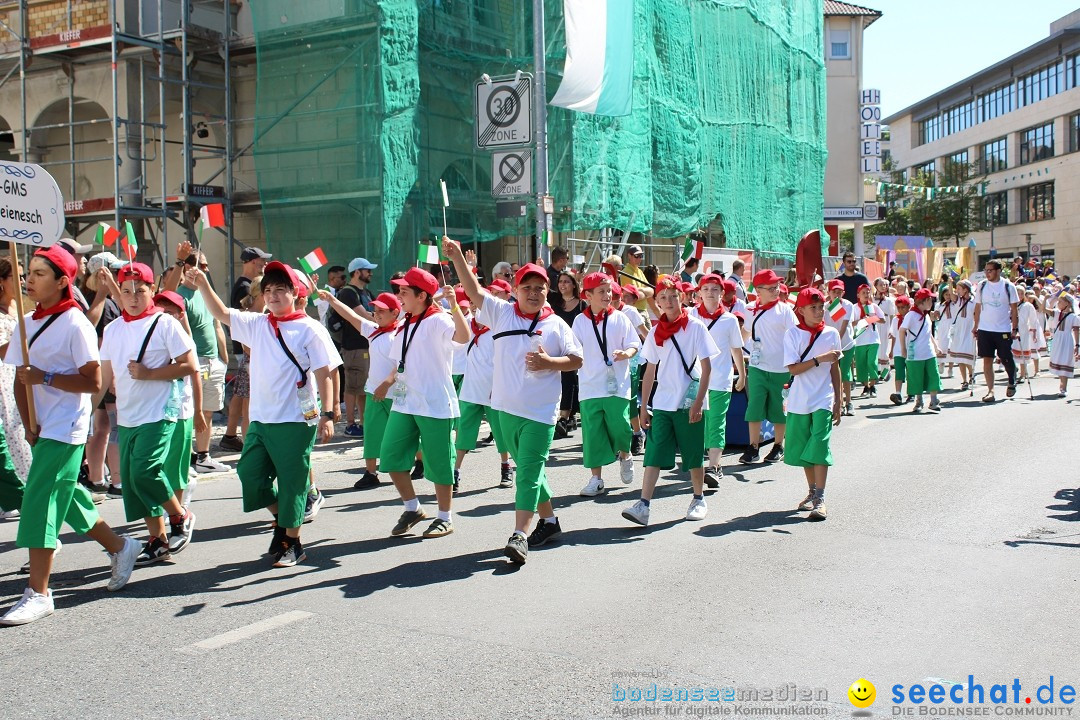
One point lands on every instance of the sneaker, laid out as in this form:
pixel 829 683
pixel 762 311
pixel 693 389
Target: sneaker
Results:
pixel 275 541
pixel 354 430
pixel 1010 390
pixel 517 549
pixel 312 503
pixel 418 470
pixel 180 534
pixel 562 429
pixel 918 406
pixel 637 444
pixel 638 513
pixel 189 492
pixel 9 514
pixel 488 440
pixel 123 563
pixel 1061 394
pixel 231 442
pixel 818 511
pixel 32 606
pixel 808 502
pixel 934 406
pixel 367 481
pixel 25 569
pixel 407 520
pixel 439 528
pixel 191 474
pixel 506 477
pixel 697 510
pixel 873 391
pixel 115 491
pixel 896 399
pixel 849 410
pixel 626 469
pixel 457 479
pixel 776 454
pixel 751 455
pixel 292 552
pixel 713 475
pixel 153 551
pixel 545 532
pixel 97 498
pixel 594 487
pixel 206 464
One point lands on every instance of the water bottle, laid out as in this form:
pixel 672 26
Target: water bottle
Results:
pixel 534 346
pixel 175 400
pixel 691 394
pixel 611 382
pixel 308 408
pixel 400 389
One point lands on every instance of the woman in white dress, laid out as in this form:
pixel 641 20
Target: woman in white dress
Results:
pixel 1066 341
pixel 9 413
pixel 961 340
pixel 944 318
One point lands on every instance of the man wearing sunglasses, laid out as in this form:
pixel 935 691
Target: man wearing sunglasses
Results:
pixel 634 256
pixel 502 271
pixel 996 324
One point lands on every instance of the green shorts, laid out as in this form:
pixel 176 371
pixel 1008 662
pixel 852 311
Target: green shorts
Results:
pixel 900 368
pixel 468 428
pixel 806 443
pixel 405 434
pixel 922 377
pixel 178 460
pixel 280 451
pixel 605 430
pixel 376 414
pixel 143 451
pixel 54 495
pixel 866 365
pixel 528 442
pixel 635 391
pixel 765 396
pixel 671 431
pixel 11 487
pixel 845 364
pixel 716 419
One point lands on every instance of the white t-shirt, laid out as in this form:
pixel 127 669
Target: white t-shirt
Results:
pixel 380 364
pixel 869 336
pixel 273 375
pixel 476 386
pixel 918 329
pixel 535 398
pixel 428 364
pixel 770 328
pixel 894 335
pixel 636 319
pixel 672 381
pixel 739 307
pixel 812 390
pixel 620 334
pixel 727 335
pixel 847 337
pixel 461 356
pixel 65 346
pixel 139 402
pixel 888 309
pixel 995 300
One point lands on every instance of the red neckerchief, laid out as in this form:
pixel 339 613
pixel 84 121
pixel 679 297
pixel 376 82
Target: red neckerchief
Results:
pixel 477 328
pixel 62 306
pixel 815 329
pixel 767 306
pixel 666 328
pixel 862 311
pixel 275 320
pixel 597 318
pixel 544 313
pixel 383 331
pixel 720 310
pixel 619 306
pixel 151 310
pixel 915 309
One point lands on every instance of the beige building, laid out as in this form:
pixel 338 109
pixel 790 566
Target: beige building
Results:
pixel 1018 121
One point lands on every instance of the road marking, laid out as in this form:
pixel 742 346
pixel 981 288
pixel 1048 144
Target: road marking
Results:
pixel 247 631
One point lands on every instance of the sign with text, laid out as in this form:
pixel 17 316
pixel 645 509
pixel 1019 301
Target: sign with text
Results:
pixel 511 173
pixel 503 111
pixel 31 206
pixel 870 131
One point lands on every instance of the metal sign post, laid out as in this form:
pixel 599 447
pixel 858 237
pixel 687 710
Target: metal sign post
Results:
pixel 543 218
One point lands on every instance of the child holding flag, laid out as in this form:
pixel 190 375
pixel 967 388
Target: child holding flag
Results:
pixel 920 351
pixel 840 315
pixel 867 318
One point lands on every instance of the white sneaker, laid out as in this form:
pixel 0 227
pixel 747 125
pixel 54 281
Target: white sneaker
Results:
pixel 56 551
pixel 191 473
pixel 33 606
pixel 189 491
pixel 626 469
pixel 210 465
pixel 697 510
pixel 9 514
pixel 638 512
pixel 123 563
pixel 594 487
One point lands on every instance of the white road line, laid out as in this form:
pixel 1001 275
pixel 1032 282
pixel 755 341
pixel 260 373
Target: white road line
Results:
pixel 247 631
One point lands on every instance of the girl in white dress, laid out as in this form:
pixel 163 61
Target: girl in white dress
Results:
pixel 1024 344
pixel 944 328
pixel 1066 341
pixel 961 339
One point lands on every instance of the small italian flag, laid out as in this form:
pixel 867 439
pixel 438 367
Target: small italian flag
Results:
pixel 128 243
pixel 692 249
pixel 212 215
pixel 792 297
pixel 836 309
pixel 313 261
pixel 428 255
pixel 106 235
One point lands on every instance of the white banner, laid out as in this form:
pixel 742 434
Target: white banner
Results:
pixel 31 206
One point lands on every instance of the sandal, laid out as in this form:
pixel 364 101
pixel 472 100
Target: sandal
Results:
pixel 989 398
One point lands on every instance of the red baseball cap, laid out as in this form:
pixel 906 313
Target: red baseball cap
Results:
pixel 924 294
pixel 836 284
pixel 136 271
pixel 461 297
pixel 420 279
pixel 730 285
pixel 809 296
pixel 631 291
pixel 594 280
pixel 667 281
pixel 712 279
pixel 766 277
pixel 903 300
pixel 63 260
pixel 171 297
pixel 297 280
pixel 862 287
pixel 686 287
pixel 500 285
pixel 529 269
pixel 387 301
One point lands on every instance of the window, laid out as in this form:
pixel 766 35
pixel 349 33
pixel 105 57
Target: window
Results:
pixel 927 171
pixel 995 210
pixel 995 156
pixel 956 167
pixel 1074 133
pixel 1037 143
pixel 1037 202
pixel 1072 72
pixel 1040 84
pixel 839 44
pixel 994 103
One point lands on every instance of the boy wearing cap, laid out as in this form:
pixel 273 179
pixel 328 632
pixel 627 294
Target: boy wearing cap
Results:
pixel 292 357
pixel 425 400
pixel 725 332
pixel 866 318
pixel 532 346
pixel 637 442
pixel 62 372
pixel 677 344
pixel 769 322
pixel 147 354
pixel 920 351
pixel 811 351
pixel 608 342
pixel 903 307
pixel 842 320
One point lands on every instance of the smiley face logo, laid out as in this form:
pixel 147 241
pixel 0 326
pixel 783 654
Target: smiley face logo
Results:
pixel 862 693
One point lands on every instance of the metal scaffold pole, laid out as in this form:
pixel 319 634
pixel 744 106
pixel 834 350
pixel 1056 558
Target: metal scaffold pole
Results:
pixel 543 219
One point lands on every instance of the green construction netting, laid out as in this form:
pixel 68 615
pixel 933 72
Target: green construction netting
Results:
pixel 363 105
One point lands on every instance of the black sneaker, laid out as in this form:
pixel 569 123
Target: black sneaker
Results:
pixel 713 475
pixel 544 533
pixel 115 491
pixel 152 552
pixel 457 479
pixel 230 442
pixel 637 444
pixel 873 391
pixel 488 440
pixel 506 477
pixel 180 534
pixel 751 455
pixel 776 454
pixel 276 540
pixel 312 504
pixel 418 470
pixel 291 552
pixel 517 549
pixel 367 481
pixel 407 520
pixel 896 399
pixel 562 429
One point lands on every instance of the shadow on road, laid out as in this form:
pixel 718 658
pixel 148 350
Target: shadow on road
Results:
pixel 758 522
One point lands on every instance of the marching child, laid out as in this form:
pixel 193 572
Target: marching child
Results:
pixel 608 341
pixel 1065 346
pixel 840 315
pixel 887 306
pixel 920 351
pixel 677 343
pixel 632 295
pixel 811 351
pixel 769 321
pixel 961 338
pixel 903 307
pixel 867 316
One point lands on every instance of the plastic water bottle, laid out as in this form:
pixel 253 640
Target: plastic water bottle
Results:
pixel 175 400
pixel 308 408
pixel 534 346
pixel 611 384
pixel 691 394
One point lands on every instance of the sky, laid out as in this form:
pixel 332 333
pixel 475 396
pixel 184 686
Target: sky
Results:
pixel 919 47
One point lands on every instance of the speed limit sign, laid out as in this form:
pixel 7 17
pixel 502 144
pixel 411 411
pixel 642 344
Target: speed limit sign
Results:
pixel 503 111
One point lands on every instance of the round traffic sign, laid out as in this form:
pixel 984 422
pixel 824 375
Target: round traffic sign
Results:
pixel 503 107
pixel 511 168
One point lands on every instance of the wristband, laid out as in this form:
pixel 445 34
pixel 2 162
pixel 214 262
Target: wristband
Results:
pixel 48 379
pixel 328 415
pixel 816 363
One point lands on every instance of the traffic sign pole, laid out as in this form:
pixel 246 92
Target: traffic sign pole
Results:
pixel 543 219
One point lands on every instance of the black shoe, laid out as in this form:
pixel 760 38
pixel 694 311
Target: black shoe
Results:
pixel 152 552
pixel 313 503
pixel 407 520
pixel 517 549
pixel 367 481
pixel 457 479
pixel 506 478
pixel 290 551
pixel 544 533
pixel 637 444
pixel 276 540
pixel 873 391
pixel 418 470
pixel 115 491
pixel 896 399
pixel 776 454
pixel 713 476
pixel 230 442
pixel 751 455
pixel 488 440
pixel 562 429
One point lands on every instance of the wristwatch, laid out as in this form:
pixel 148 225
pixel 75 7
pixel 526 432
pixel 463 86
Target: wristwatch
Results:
pixel 816 363
pixel 328 415
pixel 48 378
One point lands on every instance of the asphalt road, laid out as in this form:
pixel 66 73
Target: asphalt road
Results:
pixel 952 548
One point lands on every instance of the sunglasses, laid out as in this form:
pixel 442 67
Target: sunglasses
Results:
pixel 640 255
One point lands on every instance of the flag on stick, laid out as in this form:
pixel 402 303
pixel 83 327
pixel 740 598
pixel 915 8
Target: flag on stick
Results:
pixel 428 255
pixel 313 261
pixel 106 235
pixel 129 244
pixel 836 310
pixel 692 249
pixel 212 215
